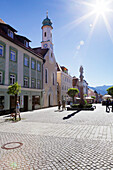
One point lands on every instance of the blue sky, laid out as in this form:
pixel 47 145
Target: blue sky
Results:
pixel 72 44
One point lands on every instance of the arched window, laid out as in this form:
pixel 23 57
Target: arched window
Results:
pixel 45 34
pixel 46 76
pixel 53 78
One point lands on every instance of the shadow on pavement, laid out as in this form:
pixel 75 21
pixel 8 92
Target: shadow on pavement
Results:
pixel 6 116
pixel 72 114
pixel 58 110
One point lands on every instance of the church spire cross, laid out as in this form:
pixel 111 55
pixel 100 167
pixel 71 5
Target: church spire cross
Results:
pixel 47 14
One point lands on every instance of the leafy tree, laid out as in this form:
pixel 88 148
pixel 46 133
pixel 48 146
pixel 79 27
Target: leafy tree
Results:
pixel 72 92
pixel 85 95
pixel 14 89
pixel 85 101
pixel 93 97
pixel 110 91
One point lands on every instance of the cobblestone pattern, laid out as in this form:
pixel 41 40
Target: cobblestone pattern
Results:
pixel 46 153
pixel 97 117
pixel 61 130
pixel 83 141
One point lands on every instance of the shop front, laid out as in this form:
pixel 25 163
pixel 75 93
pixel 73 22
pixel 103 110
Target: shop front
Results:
pixel 35 102
pixel 29 99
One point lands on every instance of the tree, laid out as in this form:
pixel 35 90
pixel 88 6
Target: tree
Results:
pixel 110 91
pixel 72 92
pixel 14 89
pixel 93 97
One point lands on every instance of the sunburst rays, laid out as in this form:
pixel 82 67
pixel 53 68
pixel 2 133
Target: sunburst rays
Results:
pixel 96 9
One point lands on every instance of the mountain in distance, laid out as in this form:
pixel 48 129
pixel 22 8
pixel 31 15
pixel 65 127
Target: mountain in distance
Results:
pixel 101 89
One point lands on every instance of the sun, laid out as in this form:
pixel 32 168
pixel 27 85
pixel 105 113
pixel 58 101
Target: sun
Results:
pixel 100 7
pixel 96 8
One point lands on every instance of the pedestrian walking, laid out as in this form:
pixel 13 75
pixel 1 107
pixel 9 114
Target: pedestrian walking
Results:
pixel 112 105
pixel 107 105
pixel 59 104
pixel 18 110
pixel 63 105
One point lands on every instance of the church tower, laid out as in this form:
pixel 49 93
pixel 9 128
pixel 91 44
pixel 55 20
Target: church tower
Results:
pixel 47 33
pixel 49 67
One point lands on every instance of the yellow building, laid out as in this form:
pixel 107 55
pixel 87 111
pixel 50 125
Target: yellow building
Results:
pixel 64 81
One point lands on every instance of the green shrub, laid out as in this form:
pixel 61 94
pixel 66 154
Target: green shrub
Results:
pixel 85 101
pixel 93 97
pixel 88 106
pixel 81 106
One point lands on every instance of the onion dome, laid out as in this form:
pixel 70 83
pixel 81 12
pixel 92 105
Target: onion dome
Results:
pixel 47 21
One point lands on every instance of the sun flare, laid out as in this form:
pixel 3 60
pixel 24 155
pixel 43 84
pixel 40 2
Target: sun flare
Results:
pixel 96 8
pixel 100 7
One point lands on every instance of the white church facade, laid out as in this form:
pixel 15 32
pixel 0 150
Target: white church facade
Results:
pixel 49 67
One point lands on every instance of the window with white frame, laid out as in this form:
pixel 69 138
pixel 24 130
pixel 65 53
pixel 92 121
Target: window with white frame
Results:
pixel 25 81
pixel 10 33
pixel 13 55
pixel 33 83
pixel 1 77
pixel 32 64
pixel 12 78
pixel 38 84
pixel 1 50
pixel 39 66
pixel 26 61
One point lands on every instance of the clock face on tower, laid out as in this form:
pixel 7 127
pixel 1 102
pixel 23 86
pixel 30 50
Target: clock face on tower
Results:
pixel 45 45
pixel 51 46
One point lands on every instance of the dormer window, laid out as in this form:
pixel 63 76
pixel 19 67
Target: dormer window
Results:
pixel 26 43
pixel 10 34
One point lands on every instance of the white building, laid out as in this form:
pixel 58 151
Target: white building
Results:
pixel 49 68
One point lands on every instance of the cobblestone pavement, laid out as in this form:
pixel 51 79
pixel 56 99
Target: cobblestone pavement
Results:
pixel 58 140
